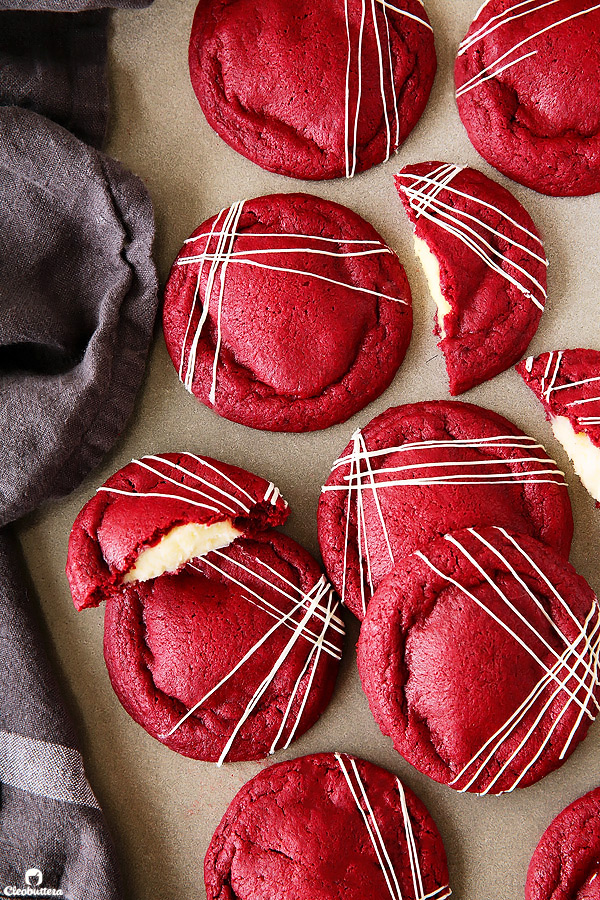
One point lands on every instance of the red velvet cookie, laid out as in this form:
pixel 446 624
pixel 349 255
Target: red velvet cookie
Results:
pixel 276 310
pixel 421 470
pixel 566 862
pixel 568 384
pixel 528 92
pixel 485 264
pixel 221 635
pixel 324 826
pixel 315 88
pixel 479 658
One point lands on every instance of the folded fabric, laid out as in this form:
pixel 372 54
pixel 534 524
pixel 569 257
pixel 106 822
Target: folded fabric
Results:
pixel 55 64
pixel 73 5
pixel 78 299
pixel 51 828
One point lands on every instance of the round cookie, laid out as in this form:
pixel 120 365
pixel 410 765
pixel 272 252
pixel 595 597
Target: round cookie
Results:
pixel 221 635
pixel 528 92
pixel 479 658
pixel 323 826
pixel 287 313
pixel 567 382
pixel 421 470
pixel 485 264
pixel 316 88
pixel 566 862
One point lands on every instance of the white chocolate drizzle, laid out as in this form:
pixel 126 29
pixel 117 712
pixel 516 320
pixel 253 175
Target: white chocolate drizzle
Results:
pixel 423 192
pixel 363 804
pixel 227 253
pixel 552 387
pixel 578 663
pixel 318 604
pixel 217 505
pixel 361 477
pixel 386 73
pixel 492 70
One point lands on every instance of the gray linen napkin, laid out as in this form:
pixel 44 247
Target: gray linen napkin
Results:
pixel 78 299
pixel 55 64
pixel 73 5
pixel 52 832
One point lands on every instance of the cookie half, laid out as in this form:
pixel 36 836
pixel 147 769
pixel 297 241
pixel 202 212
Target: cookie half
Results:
pixel 528 92
pixel 567 382
pixel 566 862
pixel 485 265
pixel 323 826
pixel 316 88
pixel 421 470
pixel 479 658
pixel 221 636
pixel 287 313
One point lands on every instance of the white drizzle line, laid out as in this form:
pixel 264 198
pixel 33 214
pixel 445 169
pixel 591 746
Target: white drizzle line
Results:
pixel 446 217
pixel 364 806
pixel 351 128
pixel 589 420
pixel 571 384
pixel 224 255
pixel 351 287
pixel 224 262
pixel 191 365
pixel 585 400
pixel 546 373
pixel 270 251
pixel 164 477
pixel 442 182
pixel 388 130
pixel 192 356
pixel 337 623
pixel 111 490
pixel 359 481
pixel 500 19
pixel 383 857
pixel 286 235
pixel 437 180
pixel 309 604
pixel 404 12
pixel 553 387
pixel 486 73
pixel 428 179
pixel 559 357
pixel 588 657
pixel 529 364
pixel 314 655
pixel 272 494
pixel 414 856
pixel 376 498
pixel 492 442
pixel 347 94
pixel 392 81
pixel 224 507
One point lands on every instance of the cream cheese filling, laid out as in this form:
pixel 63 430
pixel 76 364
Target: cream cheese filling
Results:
pixel 431 268
pixel 180 545
pixel 584 455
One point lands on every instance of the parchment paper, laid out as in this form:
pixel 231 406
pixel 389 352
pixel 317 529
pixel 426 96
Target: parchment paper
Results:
pixel 162 807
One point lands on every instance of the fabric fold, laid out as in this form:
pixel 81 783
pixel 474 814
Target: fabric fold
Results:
pixel 49 817
pixel 55 64
pixel 78 299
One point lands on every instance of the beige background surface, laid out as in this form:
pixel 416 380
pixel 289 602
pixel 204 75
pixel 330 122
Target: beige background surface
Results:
pixel 161 807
